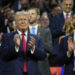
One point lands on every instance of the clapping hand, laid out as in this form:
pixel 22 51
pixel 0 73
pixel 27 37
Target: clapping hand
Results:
pixel 70 45
pixel 17 40
pixel 32 42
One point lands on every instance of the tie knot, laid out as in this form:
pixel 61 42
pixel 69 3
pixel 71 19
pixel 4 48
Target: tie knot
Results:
pixel 23 34
pixel 33 27
pixel 66 14
pixel 66 18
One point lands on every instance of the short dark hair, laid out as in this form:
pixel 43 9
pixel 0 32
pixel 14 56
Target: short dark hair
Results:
pixel 35 8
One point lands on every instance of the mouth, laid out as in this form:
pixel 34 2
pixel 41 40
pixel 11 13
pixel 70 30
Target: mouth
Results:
pixel 22 25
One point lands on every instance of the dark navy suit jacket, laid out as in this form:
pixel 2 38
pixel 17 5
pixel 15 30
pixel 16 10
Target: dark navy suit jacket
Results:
pixel 56 26
pixel 62 57
pixel 13 62
pixel 56 30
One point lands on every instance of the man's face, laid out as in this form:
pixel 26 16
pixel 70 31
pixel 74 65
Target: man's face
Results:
pixel 45 22
pixel 22 22
pixel 67 5
pixel 11 16
pixel 33 16
pixel 24 3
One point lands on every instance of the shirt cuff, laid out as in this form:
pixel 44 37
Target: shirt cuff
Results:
pixel 16 49
pixel 68 54
pixel 32 51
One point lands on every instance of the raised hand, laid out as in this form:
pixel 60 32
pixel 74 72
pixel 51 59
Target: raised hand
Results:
pixel 17 40
pixel 70 45
pixel 32 42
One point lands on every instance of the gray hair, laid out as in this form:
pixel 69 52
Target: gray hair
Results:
pixel 21 12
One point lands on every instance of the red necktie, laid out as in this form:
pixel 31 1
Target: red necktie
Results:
pixel 24 47
pixel 66 16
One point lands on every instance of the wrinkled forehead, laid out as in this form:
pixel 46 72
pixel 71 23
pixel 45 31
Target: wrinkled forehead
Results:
pixel 68 1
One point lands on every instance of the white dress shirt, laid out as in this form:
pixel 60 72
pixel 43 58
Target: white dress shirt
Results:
pixel 36 29
pixel 20 34
pixel 69 14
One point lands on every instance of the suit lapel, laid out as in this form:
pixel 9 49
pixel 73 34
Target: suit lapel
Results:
pixel 27 46
pixel 39 29
pixel 28 30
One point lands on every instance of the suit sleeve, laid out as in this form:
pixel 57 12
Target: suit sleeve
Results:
pixel 8 51
pixel 48 42
pixel 39 52
pixel 62 56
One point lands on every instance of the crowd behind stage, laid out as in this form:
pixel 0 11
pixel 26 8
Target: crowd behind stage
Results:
pixel 52 21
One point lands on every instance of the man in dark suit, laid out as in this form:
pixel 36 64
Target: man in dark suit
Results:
pixel 10 26
pixel 20 50
pixel 21 5
pixel 45 34
pixel 57 24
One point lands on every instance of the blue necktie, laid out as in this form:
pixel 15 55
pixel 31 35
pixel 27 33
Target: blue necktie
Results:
pixel 33 30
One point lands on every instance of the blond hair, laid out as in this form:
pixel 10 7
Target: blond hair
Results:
pixel 68 26
pixel 21 12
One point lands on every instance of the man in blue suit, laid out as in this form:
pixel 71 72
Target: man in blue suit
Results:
pixel 20 50
pixel 57 24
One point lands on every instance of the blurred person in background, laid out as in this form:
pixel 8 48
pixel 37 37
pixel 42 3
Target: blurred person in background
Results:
pixel 21 5
pixel 45 22
pixel 44 7
pixel 10 26
pixel 56 9
pixel 6 10
pixel 45 34
pixel 52 2
pixel 24 5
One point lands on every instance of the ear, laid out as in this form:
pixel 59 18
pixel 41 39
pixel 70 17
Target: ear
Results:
pixel 38 17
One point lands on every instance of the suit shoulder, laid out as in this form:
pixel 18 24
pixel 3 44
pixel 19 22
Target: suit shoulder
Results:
pixel 44 29
pixel 58 16
pixel 9 35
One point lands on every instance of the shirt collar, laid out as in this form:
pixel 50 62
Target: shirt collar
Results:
pixel 66 13
pixel 34 26
pixel 19 32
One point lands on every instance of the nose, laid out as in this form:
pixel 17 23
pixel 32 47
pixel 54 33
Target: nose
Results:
pixel 23 21
pixel 68 5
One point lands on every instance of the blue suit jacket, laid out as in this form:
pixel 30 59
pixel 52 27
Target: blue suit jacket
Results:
pixel 56 30
pixel 14 62
pixel 56 26
pixel 63 59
